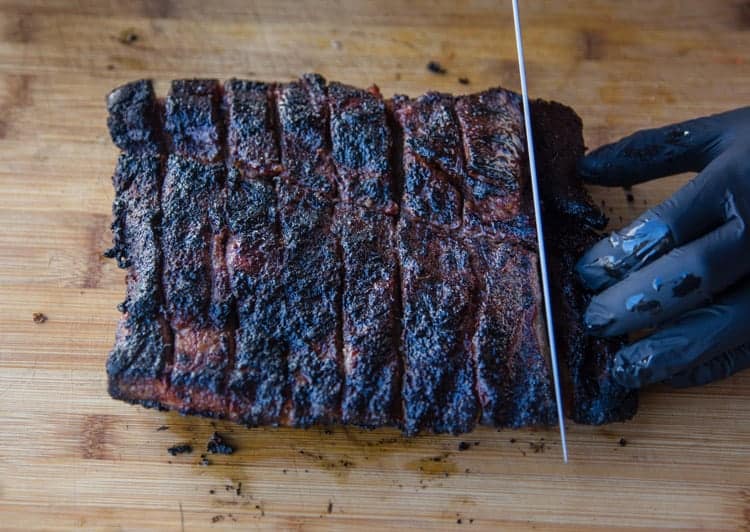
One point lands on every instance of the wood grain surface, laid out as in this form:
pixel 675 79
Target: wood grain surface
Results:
pixel 70 457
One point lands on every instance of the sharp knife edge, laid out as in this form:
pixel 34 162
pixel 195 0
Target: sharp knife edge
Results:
pixel 539 230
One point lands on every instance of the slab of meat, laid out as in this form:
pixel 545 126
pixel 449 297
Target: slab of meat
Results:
pixel 139 363
pixel 309 253
pixel 312 272
pixel 365 221
pixel 437 290
pixel 254 256
pixel 195 281
pixel 513 376
pixel 571 224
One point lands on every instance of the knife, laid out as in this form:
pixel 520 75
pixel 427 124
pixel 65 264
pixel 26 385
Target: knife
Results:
pixel 539 230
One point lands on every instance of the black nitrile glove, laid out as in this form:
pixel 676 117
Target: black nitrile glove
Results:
pixel 683 266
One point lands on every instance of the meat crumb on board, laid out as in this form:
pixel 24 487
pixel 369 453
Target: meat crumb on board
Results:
pixel 183 448
pixel 218 445
pixel 436 68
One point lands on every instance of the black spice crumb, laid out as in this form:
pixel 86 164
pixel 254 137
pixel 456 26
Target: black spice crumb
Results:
pixel 623 442
pixel 512 440
pixel 128 36
pixel 217 445
pixel 217 518
pixel 283 471
pixel 458 521
pixel 471 520
pixel 180 449
pixel 629 196
pixel 436 68
pixel 330 507
pixel 537 447
pixel 239 489
pixel 211 492
pixel 463 446
pixel 39 317
pixel 110 67
pixel 204 460
pixel 163 427
pixel 463 81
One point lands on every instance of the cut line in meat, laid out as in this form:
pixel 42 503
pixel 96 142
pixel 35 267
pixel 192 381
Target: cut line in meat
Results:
pixel 309 253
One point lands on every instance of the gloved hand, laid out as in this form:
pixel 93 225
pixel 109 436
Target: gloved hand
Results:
pixel 682 267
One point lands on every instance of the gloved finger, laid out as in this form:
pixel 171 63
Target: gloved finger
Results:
pixel 689 344
pixel 718 368
pixel 692 211
pixel 652 153
pixel 684 279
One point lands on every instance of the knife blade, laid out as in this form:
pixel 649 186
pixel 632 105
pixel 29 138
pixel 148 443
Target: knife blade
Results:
pixel 539 229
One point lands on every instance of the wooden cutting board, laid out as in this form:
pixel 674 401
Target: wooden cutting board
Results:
pixel 72 457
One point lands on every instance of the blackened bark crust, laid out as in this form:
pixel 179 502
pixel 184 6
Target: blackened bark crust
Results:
pixel 307 253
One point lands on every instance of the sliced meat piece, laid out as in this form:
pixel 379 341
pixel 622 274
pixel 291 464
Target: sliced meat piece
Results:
pixel 142 350
pixel 254 258
pixel 571 220
pixel 251 137
pixel 370 317
pixel 312 264
pixel 312 281
pixel 496 189
pixel 493 140
pixel 193 119
pixel 431 131
pixel 196 283
pixel 513 372
pixel 432 161
pixel 437 290
pixel 133 119
pixel 303 120
pixel 361 143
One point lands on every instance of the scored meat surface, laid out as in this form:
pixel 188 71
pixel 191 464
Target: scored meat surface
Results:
pixel 309 253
